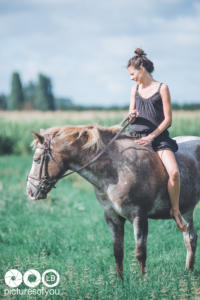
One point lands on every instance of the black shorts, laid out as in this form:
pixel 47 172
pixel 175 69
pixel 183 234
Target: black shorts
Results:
pixel 161 142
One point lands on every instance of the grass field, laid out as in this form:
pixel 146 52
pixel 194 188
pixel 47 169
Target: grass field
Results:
pixel 16 127
pixel 67 232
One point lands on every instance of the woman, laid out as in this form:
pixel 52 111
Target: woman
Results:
pixel 150 101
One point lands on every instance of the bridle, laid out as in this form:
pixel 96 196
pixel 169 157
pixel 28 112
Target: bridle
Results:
pixel 45 182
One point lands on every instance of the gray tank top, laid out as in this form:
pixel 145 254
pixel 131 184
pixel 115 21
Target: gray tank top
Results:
pixel 150 112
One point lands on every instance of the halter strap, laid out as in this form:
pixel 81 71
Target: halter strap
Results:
pixel 45 182
pixel 105 148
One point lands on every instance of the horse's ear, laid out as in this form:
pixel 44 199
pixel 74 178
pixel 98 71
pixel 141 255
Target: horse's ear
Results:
pixel 39 137
pixel 42 131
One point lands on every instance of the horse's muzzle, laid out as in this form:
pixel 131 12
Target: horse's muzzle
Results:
pixel 33 194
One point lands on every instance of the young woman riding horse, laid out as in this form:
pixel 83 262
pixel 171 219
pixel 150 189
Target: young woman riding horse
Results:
pixel 150 101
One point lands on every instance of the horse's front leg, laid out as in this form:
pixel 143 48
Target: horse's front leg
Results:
pixel 140 225
pixel 116 226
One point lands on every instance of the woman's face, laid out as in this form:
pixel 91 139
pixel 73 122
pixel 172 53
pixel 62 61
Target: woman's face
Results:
pixel 136 74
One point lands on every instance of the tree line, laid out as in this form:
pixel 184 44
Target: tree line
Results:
pixel 39 96
pixel 33 95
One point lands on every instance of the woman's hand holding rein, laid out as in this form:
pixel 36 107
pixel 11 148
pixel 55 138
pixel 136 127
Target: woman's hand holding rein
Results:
pixel 133 114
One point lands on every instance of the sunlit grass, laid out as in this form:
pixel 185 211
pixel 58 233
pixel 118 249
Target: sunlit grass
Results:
pixel 16 127
pixel 67 232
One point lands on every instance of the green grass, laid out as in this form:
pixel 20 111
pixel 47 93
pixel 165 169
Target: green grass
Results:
pixel 16 128
pixel 67 232
pixel 185 126
pixel 16 137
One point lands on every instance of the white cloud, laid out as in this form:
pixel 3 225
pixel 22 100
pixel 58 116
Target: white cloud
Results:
pixel 87 45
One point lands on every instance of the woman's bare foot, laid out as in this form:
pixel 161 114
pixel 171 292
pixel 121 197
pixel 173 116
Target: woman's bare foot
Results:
pixel 176 215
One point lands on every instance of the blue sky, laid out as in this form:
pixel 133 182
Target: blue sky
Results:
pixel 84 45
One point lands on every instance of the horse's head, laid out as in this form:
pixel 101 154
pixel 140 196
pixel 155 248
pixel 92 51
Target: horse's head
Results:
pixel 49 163
pixel 56 151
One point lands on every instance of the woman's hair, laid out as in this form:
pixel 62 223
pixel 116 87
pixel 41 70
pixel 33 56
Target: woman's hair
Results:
pixel 140 59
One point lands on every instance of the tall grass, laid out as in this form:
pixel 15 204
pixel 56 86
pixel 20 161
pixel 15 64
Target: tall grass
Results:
pixel 16 128
pixel 67 232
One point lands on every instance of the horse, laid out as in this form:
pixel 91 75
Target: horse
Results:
pixel 130 180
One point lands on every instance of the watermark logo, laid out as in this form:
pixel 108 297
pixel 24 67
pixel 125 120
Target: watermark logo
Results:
pixel 50 278
pixel 32 273
pixel 13 278
pixel 31 278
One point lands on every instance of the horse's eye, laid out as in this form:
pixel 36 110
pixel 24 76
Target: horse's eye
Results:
pixel 37 160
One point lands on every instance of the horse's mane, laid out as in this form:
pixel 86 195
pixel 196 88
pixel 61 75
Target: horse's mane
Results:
pixel 69 134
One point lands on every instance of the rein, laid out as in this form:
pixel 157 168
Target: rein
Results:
pixel 104 149
pixel 46 183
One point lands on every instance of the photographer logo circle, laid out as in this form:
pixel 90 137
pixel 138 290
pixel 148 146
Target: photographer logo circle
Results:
pixel 35 283
pixel 44 278
pixel 13 278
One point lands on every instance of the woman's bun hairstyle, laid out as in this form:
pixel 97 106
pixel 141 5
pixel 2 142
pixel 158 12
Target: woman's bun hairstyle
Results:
pixel 140 52
pixel 140 59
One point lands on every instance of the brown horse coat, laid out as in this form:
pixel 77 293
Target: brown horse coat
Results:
pixel 130 181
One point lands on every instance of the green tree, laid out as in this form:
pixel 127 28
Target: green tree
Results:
pixel 30 94
pixel 3 102
pixel 44 99
pixel 64 103
pixel 16 99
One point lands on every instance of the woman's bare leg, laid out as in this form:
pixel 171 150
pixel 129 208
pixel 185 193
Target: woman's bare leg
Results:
pixel 169 161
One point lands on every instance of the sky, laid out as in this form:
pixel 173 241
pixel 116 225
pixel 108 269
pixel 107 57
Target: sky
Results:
pixel 84 46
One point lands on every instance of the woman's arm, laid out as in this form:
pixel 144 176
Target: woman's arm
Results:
pixel 132 99
pixel 132 111
pixel 166 100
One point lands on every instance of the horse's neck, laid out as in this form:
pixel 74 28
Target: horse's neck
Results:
pixel 86 173
pixel 95 173
pixel 98 172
